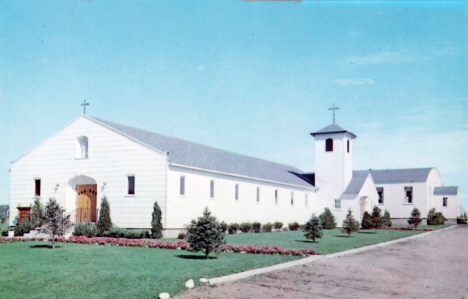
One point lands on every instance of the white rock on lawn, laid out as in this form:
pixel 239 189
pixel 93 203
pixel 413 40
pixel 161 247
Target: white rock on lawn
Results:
pixel 164 295
pixel 204 280
pixel 189 283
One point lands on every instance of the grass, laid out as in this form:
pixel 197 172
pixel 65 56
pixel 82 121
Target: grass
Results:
pixel 331 242
pixel 32 270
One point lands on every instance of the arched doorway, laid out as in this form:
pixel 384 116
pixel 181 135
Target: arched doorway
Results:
pixel 83 198
pixel 86 203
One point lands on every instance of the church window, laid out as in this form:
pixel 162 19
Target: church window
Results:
pixel 236 191
pixel 131 185
pixel 408 194
pixel 347 145
pixel 182 185
pixel 258 194
pixel 337 203
pixel 37 187
pixel 276 196
pixel 306 199
pixel 329 145
pixel 81 149
pixel 444 201
pixel 380 192
pixel 292 198
pixel 212 194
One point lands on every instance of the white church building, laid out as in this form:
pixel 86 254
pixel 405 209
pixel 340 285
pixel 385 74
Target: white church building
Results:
pixel 91 158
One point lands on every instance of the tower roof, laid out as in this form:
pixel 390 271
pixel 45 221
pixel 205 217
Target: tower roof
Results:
pixel 333 128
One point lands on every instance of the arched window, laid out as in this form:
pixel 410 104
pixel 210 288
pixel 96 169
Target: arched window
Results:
pixel 347 143
pixel 329 145
pixel 81 149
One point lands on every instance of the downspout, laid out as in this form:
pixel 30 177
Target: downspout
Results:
pixel 165 191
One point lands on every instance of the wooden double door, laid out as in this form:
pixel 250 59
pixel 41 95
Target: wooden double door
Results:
pixel 86 203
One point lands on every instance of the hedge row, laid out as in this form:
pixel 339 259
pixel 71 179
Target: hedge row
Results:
pixel 168 245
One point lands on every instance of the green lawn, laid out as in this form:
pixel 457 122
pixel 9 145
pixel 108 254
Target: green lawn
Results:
pixel 31 270
pixel 332 240
pixel 94 271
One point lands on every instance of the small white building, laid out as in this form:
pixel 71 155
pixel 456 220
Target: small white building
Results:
pixel 91 158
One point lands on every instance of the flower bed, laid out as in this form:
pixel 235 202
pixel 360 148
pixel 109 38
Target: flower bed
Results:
pixel 168 245
pixel 406 228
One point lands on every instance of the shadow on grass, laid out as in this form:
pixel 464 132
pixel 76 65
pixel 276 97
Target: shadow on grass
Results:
pixel 341 236
pixel 194 257
pixel 47 246
pixel 372 233
pixel 306 241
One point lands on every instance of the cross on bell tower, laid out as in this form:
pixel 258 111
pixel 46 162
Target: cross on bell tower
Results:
pixel 84 106
pixel 334 108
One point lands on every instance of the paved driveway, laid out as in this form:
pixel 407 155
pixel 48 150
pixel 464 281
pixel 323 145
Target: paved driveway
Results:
pixel 435 266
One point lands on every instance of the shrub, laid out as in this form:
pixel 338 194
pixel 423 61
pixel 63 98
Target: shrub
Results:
pixel 104 222
pixel 266 228
pixel 233 228
pixel 435 218
pixel 205 234
pixel 4 233
pixel 181 236
pixel 37 213
pixel 156 222
pixel 387 221
pixel 87 229
pixel 415 218
pixel 245 227
pixel 327 219
pixel 366 222
pixel 125 233
pixel 224 226
pixel 256 227
pixel 278 225
pixel 23 228
pixel 313 229
pixel 350 224
pixel 376 218
pixel 294 226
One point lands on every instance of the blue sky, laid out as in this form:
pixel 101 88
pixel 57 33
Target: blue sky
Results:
pixel 250 77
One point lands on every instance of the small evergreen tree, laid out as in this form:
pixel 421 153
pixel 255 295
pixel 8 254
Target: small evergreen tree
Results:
pixel 37 213
pixel 104 222
pixel 55 224
pixel 415 218
pixel 156 222
pixel 376 218
pixel 313 229
pixel 435 218
pixel 350 225
pixel 205 234
pixel 327 219
pixel 366 222
pixel 387 220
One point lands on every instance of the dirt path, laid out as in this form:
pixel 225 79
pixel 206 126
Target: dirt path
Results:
pixel 435 266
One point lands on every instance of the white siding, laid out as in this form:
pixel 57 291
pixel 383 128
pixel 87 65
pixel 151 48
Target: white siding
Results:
pixel 182 209
pixel 111 157
pixel 333 170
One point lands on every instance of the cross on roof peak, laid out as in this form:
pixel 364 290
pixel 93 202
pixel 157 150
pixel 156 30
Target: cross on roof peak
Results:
pixel 334 108
pixel 84 106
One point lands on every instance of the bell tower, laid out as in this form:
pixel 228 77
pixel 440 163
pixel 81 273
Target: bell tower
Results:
pixel 333 160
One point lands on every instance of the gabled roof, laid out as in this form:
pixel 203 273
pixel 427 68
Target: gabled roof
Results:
pixel 356 183
pixel 333 128
pixel 446 190
pixel 413 175
pixel 191 154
